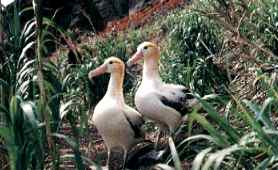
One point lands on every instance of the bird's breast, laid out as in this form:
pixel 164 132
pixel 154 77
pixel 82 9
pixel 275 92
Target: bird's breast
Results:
pixel 106 107
pixel 142 94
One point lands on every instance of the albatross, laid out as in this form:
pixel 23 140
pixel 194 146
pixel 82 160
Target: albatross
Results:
pixel 161 102
pixel 118 124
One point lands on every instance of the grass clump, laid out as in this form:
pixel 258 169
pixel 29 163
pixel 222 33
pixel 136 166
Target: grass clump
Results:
pixel 194 42
pixel 241 133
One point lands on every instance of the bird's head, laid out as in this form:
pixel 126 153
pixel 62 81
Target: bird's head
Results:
pixel 110 65
pixel 146 51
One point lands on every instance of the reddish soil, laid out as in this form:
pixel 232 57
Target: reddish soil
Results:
pixel 142 16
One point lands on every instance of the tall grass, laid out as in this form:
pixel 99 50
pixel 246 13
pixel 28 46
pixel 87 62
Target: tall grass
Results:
pixel 33 102
pixel 208 47
pixel 39 29
pixel 239 132
pixel 252 148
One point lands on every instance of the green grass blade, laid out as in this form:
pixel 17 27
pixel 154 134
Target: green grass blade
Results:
pixel 195 138
pixel 199 159
pixel 175 154
pixel 220 139
pixel 220 155
pixel 265 113
pixel 232 133
pixel 75 147
pixel 8 136
pixel 260 132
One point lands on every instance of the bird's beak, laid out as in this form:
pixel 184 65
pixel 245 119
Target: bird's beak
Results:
pixel 135 58
pixel 98 71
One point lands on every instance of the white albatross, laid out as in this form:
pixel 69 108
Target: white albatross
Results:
pixel 118 124
pixel 164 103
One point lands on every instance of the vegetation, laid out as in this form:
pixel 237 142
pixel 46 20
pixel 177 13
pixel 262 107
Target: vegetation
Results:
pixel 223 50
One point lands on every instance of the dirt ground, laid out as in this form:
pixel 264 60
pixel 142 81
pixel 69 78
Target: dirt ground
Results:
pixel 93 147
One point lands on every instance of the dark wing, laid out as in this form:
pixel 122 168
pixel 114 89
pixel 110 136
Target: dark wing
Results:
pixel 135 121
pixel 177 105
pixel 136 129
pixel 177 99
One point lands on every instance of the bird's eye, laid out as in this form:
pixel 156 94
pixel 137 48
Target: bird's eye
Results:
pixel 110 62
pixel 146 47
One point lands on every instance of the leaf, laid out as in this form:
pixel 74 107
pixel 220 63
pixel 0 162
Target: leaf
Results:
pixel 264 164
pixel 13 108
pixel 197 137
pixel 253 107
pixel 52 68
pixel 26 9
pixel 3 109
pixel 48 86
pixel 75 147
pixel 92 164
pixel 4 83
pixel 65 108
pixel 218 137
pixel 22 89
pixel 259 130
pixel 30 37
pixel 223 153
pixel 248 138
pixel 29 112
pixel 24 50
pixel 198 161
pixel 5 133
pixel 70 141
pixel 8 136
pixel 268 163
pixel 66 81
pixel 218 157
pixel 24 75
pixel 53 80
pixel 175 155
pixel 231 132
pixel 28 64
pixel 28 28
pixel 265 113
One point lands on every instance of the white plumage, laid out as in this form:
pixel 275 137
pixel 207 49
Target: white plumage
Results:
pixel 159 101
pixel 118 124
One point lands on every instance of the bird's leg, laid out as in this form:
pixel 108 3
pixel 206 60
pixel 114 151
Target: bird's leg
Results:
pixel 174 135
pixel 171 134
pixel 178 131
pixel 125 156
pixel 159 134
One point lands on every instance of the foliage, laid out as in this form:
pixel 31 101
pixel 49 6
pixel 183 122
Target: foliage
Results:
pixel 207 47
pixel 243 148
pixel 32 89
pixel 243 134
pixel 194 42
pixel 23 135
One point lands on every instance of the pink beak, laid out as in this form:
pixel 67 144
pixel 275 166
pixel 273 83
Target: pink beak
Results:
pixel 98 71
pixel 135 58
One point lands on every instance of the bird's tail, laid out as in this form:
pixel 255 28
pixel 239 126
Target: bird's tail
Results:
pixel 147 156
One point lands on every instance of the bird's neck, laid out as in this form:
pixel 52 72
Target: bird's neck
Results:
pixel 151 71
pixel 115 86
